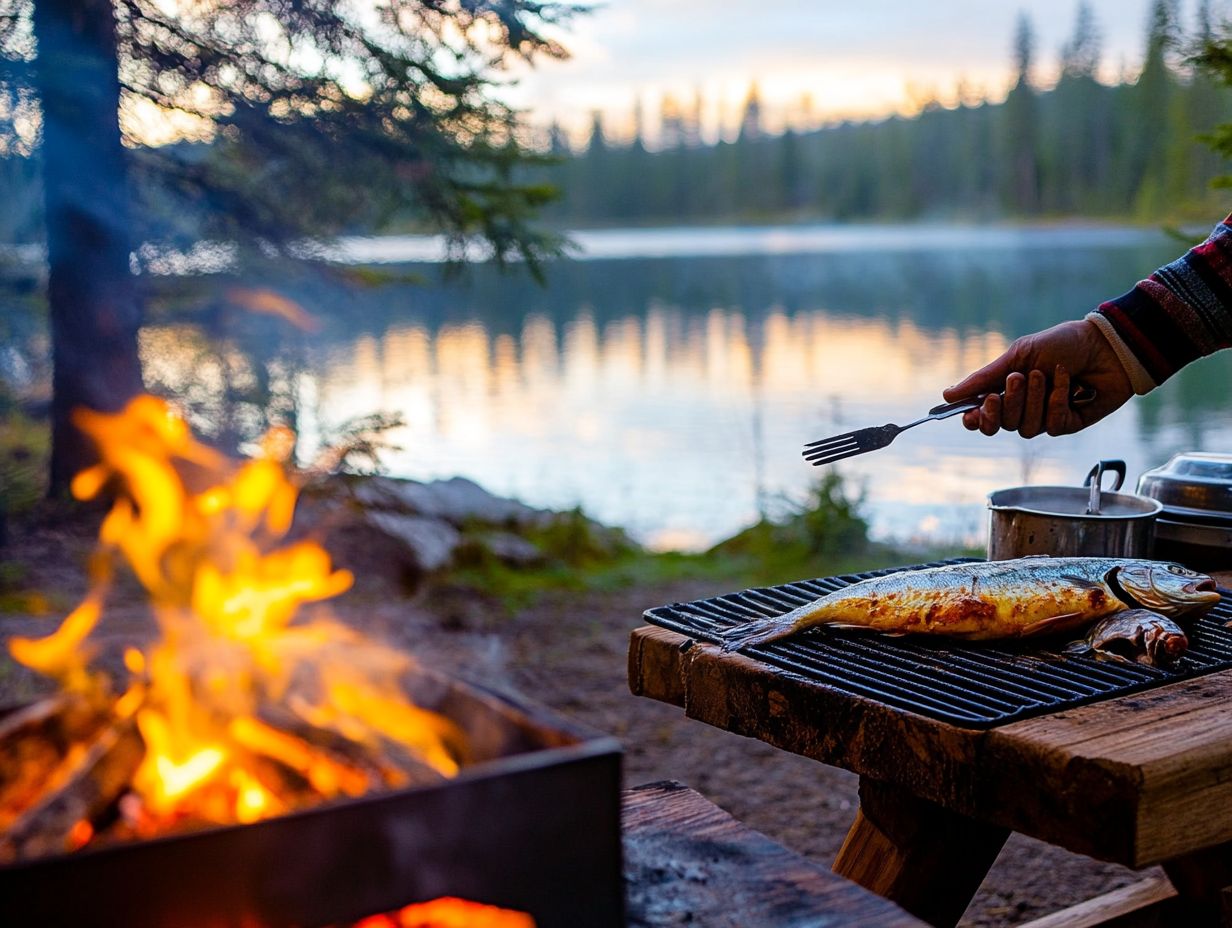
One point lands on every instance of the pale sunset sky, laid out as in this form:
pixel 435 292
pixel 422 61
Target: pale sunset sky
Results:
pixel 858 60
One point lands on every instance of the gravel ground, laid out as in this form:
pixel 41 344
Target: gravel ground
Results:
pixel 568 652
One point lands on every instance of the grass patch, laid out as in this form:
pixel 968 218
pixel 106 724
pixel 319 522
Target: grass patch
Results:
pixel 825 534
pixel 25 449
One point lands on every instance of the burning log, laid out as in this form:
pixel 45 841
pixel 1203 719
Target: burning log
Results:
pixel 305 748
pixel 89 780
pixel 34 740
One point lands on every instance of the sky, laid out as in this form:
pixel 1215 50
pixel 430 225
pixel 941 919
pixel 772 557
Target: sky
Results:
pixel 860 60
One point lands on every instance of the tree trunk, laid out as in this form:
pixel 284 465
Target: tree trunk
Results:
pixel 91 293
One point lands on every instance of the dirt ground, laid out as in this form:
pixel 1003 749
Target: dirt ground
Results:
pixel 568 652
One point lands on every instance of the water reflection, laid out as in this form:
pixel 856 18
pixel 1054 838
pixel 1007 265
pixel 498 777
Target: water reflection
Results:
pixel 673 395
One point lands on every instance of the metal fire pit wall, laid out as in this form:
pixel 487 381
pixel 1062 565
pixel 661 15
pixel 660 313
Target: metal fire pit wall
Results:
pixel 532 825
pixel 965 684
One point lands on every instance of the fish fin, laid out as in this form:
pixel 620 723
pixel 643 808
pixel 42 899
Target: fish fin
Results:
pixel 1052 623
pixel 1083 583
pixel 1104 655
pixel 1077 648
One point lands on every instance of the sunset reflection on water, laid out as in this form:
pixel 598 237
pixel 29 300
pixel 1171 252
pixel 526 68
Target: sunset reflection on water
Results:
pixel 680 428
pixel 672 396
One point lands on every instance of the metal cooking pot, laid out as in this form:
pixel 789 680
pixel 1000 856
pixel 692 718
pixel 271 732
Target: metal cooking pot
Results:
pixel 1072 521
pixel 1195 527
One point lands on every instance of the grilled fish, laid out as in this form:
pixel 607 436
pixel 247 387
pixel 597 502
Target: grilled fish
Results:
pixel 994 599
pixel 1134 635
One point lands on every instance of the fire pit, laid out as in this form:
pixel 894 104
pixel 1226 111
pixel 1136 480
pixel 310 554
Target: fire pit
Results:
pixel 260 763
pixel 532 824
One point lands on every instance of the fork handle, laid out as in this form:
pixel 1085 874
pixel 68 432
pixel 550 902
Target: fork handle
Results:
pixel 1079 395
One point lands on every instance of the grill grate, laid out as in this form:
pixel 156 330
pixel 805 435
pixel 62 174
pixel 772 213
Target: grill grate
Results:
pixel 974 686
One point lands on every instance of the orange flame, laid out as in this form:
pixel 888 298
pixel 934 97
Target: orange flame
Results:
pixel 205 537
pixel 449 912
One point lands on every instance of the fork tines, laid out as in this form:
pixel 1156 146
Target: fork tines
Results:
pixel 829 450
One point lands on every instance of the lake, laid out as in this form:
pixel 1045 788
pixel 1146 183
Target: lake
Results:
pixel 665 380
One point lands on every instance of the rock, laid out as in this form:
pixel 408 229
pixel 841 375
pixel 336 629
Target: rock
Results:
pixel 511 549
pixel 446 523
pixel 431 543
pixel 458 501
pixel 463 501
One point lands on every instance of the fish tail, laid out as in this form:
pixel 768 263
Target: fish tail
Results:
pixel 759 631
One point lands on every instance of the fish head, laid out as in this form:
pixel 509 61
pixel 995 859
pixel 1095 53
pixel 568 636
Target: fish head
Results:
pixel 1168 589
pixel 1164 642
pixel 1139 635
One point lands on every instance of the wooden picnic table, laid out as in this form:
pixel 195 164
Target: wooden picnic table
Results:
pixel 1138 780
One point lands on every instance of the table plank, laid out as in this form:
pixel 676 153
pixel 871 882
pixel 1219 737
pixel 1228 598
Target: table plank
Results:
pixel 689 862
pixel 1154 765
pixel 1145 904
pixel 1134 780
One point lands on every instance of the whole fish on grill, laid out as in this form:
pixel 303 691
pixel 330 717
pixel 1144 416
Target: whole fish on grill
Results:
pixel 986 600
pixel 1134 635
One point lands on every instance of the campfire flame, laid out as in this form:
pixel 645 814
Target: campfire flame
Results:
pixel 449 912
pixel 246 708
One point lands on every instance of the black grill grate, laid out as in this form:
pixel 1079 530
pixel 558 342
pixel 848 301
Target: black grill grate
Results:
pixel 974 686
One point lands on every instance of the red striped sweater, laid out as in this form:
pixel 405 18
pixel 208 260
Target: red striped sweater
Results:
pixel 1180 313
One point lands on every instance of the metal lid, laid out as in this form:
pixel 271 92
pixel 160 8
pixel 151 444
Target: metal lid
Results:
pixel 1192 481
pixel 1072 503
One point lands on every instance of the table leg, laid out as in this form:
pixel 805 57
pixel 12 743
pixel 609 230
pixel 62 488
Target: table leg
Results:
pixel 924 857
pixel 1203 882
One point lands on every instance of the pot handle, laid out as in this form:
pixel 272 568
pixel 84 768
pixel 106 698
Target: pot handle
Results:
pixel 1096 477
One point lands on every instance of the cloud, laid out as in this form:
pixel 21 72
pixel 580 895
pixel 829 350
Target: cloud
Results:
pixel 848 56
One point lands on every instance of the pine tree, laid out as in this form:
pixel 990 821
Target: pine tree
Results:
pixel 1080 136
pixel 1148 105
pixel 301 145
pixel 1021 138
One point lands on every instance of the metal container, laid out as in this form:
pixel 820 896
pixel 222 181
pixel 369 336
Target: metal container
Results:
pixel 1195 526
pixel 1192 483
pixel 1072 521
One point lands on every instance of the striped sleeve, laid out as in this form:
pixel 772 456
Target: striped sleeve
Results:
pixel 1180 313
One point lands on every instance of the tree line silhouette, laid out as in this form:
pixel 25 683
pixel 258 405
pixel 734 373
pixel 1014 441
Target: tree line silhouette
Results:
pixel 1132 149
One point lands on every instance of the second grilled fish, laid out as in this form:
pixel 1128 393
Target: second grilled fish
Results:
pixel 994 599
pixel 1134 635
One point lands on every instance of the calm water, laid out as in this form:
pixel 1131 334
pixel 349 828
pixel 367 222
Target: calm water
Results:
pixel 667 379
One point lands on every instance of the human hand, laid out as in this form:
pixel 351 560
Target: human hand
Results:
pixel 1035 376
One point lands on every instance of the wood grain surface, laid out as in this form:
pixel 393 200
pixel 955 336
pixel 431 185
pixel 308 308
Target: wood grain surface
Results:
pixel 687 862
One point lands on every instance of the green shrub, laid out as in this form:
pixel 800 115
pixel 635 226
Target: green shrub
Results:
pixel 573 539
pixel 831 519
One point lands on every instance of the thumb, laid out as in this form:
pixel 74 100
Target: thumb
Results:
pixel 988 379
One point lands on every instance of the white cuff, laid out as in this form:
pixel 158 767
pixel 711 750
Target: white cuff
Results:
pixel 1139 379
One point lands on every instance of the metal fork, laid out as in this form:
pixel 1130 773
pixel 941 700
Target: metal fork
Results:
pixel 849 444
